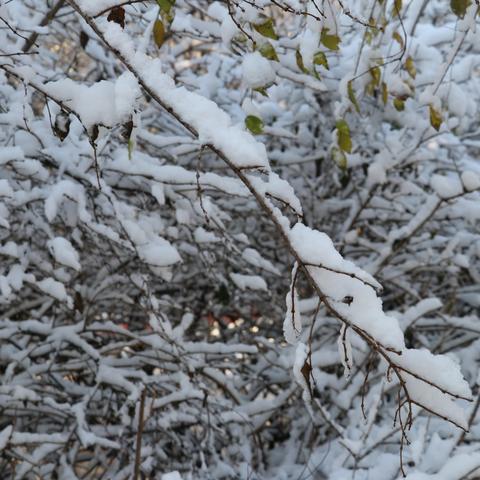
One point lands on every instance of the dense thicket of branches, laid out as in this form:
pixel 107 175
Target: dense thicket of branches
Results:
pixel 148 240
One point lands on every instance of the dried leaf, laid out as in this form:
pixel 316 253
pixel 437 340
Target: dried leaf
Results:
pixel 94 131
pixel 306 372
pixel 78 304
pixel 84 38
pixel 61 127
pixel 127 129
pixel 117 15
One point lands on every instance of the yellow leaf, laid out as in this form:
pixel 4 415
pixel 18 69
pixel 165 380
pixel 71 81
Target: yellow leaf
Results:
pixel 396 36
pixel 410 67
pixel 320 59
pixel 300 64
pixel 397 7
pixel 384 93
pixel 329 41
pixel 158 32
pixel 343 136
pixel 376 74
pixel 435 118
pixel 351 96
pixel 399 104
pixel 459 7
pixel 268 52
pixel 339 158
pixel 266 29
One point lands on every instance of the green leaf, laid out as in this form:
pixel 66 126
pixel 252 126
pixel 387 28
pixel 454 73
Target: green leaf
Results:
pixel 261 90
pixel 351 96
pixel 399 104
pixel 343 136
pixel 166 5
pixel 410 67
pixel 329 41
pixel 320 59
pixel 158 32
pixel 268 52
pixel 254 124
pixel 266 29
pixel 435 118
pixel 459 7
pixel 299 59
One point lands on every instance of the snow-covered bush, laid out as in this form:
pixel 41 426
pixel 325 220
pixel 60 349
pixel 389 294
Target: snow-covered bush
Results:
pixel 239 239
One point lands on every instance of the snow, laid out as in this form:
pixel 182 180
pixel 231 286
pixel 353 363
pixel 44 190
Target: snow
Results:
pixel 423 307
pixel 457 467
pixel 114 287
pixel 470 180
pixel 292 324
pixel 171 476
pixel 92 7
pixel 253 282
pixel 446 186
pixel 213 125
pixel 363 308
pixel 377 173
pixel 57 195
pixel 457 100
pixel 7 154
pixel 159 253
pixel 5 189
pixel 439 369
pixel 112 102
pixel 53 288
pixel 64 253
pixel 257 71
pixel 5 435
pixel 203 236
pixel 254 258
pixel 301 356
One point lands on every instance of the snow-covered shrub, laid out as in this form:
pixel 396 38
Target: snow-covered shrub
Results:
pixel 239 239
